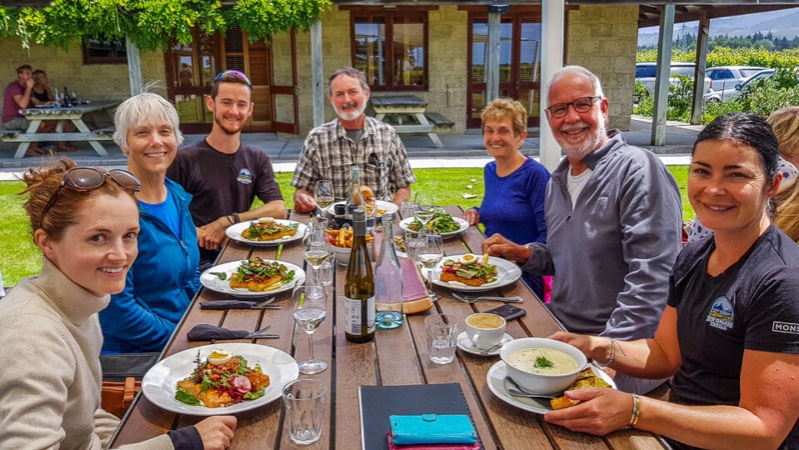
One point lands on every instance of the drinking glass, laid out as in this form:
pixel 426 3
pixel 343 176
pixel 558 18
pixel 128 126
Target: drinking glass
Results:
pixel 305 402
pixel 426 209
pixel 311 311
pixel 371 214
pixel 442 332
pixel 323 194
pixel 408 208
pixel 412 243
pixel 318 250
pixel 429 251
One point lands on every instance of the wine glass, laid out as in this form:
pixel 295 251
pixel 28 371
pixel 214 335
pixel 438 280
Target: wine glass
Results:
pixel 425 210
pixel 311 311
pixel 323 194
pixel 318 248
pixel 429 251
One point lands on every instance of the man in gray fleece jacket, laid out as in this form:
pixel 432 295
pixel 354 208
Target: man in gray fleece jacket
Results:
pixel 614 221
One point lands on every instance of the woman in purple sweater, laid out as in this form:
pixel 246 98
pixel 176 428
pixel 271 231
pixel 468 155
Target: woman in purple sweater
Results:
pixel 513 204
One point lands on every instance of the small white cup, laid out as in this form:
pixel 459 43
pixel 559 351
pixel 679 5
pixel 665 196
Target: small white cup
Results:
pixel 485 330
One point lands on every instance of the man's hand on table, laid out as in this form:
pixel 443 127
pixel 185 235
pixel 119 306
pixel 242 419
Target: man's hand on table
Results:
pixel 212 236
pixel 217 432
pixel 303 201
pixel 498 245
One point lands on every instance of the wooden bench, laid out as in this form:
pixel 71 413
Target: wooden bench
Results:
pixel 440 123
pixel 107 131
pixel 7 135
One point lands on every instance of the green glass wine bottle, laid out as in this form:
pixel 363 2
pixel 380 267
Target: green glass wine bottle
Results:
pixel 359 288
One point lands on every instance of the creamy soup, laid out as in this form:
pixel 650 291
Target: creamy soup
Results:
pixel 483 320
pixel 542 360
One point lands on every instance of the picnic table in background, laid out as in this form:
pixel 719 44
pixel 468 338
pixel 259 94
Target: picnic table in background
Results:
pixel 395 109
pixel 396 357
pixel 63 115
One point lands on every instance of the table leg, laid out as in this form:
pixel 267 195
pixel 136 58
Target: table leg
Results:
pixel 33 127
pixel 98 147
pixel 433 136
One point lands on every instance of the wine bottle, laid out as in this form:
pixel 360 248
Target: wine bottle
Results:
pixel 355 197
pixel 388 280
pixel 65 99
pixel 359 288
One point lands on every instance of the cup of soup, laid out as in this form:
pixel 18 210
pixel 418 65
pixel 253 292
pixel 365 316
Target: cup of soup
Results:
pixel 485 330
pixel 541 365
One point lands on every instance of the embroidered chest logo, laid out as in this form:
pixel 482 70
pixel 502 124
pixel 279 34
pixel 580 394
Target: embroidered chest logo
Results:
pixel 245 176
pixel 721 314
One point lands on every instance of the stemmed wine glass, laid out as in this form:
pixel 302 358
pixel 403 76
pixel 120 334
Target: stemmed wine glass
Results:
pixel 318 248
pixel 323 194
pixel 311 311
pixel 429 251
pixel 425 210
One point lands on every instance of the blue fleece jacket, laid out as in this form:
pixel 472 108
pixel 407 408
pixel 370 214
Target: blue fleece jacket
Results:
pixel 160 285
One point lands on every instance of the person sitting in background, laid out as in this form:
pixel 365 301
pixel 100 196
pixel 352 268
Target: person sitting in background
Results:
pixel 42 95
pixel 164 278
pixel 18 96
pixel 352 139
pixel 728 333
pixel 515 185
pixel 224 175
pixel 85 222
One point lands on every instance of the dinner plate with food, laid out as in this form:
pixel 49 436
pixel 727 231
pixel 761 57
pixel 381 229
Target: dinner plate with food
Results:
pixel 267 231
pixel 442 221
pixel 254 277
pixel 236 377
pixel 382 208
pixel 475 273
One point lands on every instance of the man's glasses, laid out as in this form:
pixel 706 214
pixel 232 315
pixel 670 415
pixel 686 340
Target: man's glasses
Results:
pixel 84 179
pixel 581 105
pixel 232 74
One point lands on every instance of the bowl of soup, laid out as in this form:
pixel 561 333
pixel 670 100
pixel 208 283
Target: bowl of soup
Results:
pixel 542 366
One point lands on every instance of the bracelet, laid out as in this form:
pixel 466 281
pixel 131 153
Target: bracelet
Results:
pixel 229 220
pixel 612 354
pixel 636 411
pixel 236 217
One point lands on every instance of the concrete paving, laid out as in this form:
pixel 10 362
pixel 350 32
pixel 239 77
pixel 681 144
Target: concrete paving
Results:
pixel 464 150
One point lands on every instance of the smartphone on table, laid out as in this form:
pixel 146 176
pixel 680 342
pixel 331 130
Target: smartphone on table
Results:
pixel 507 312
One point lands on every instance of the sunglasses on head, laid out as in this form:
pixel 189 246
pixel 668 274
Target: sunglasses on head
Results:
pixel 232 74
pixel 84 179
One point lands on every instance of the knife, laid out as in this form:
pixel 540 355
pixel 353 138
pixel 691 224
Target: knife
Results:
pixel 234 304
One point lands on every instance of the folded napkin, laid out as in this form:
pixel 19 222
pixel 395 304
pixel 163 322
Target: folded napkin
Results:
pixel 205 332
pixel 393 446
pixel 412 285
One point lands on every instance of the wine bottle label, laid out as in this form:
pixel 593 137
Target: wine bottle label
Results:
pixel 354 316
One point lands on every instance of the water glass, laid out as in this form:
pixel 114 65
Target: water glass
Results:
pixel 305 401
pixel 442 337
pixel 408 207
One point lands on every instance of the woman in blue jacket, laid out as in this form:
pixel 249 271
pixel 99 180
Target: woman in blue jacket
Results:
pixel 164 277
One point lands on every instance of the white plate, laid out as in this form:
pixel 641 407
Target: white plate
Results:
pixel 495 379
pixel 160 382
pixel 465 344
pixel 213 282
pixel 507 273
pixel 404 224
pixel 388 206
pixel 234 232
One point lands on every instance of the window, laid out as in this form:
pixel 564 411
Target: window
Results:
pixel 390 47
pixel 100 51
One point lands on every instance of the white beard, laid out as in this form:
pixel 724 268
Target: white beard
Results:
pixel 351 115
pixel 578 150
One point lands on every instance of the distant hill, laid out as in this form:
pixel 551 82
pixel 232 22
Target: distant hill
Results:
pixel 780 23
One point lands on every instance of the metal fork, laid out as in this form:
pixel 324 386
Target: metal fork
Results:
pixel 487 298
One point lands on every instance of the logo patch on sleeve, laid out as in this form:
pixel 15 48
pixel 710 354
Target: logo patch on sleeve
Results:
pixel 721 314
pixel 785 327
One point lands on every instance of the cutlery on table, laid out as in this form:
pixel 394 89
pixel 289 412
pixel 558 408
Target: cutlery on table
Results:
pixel 487 298
pixel 238 304
pixel 205 332
pixel 517 391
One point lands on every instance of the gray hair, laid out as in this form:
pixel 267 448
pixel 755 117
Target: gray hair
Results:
pixel 350 72
pixel 144 108
pixel 577 70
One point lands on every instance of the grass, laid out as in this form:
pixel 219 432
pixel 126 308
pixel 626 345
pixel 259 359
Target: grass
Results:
pixel 19 256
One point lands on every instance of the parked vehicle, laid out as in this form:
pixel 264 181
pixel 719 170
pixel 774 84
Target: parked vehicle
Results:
pixel 726 77
pixel 645 73
pixel 735 91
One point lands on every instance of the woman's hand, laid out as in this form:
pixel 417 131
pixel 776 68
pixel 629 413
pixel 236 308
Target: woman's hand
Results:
pixel 471 216
pixel 600 412
pixel 217 432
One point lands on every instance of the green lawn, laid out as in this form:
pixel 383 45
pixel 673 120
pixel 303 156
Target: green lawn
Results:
pixel 19 257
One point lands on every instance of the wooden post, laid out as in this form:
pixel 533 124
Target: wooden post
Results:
pixel 492 51
pixel 552 36
pixel 701 64
pixel 317 75
pixel 663 74
pixel 134 68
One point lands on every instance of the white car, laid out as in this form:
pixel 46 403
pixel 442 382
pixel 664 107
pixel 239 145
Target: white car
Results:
pixel 726 77
pixel 645 73
pixel 734 92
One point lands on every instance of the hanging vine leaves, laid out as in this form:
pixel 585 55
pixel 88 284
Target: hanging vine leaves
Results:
pixel 153 24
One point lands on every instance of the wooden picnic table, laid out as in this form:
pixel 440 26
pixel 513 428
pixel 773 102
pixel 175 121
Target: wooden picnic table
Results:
pixel 395 108
pixel 72 114
pixel 395 357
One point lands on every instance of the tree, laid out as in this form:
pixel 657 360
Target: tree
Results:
pixel 153 24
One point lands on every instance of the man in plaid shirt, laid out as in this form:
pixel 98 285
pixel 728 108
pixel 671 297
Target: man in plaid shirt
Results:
pixel 332 149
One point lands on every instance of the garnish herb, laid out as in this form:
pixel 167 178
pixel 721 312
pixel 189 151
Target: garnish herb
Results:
pixel 542 362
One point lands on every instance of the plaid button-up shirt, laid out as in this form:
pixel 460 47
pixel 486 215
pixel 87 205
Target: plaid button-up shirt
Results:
pixel 328 154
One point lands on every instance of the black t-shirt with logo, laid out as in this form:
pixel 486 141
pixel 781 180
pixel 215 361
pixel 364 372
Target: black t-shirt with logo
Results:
pixel 753 305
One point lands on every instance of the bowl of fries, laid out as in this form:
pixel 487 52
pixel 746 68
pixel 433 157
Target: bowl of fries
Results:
pixel 341 243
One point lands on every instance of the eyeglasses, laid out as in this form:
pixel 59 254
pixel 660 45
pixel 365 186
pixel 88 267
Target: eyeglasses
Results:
pixel 84 179
pixel 233 74
pixel 581 105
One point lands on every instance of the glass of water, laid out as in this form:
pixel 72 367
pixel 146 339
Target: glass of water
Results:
pixel 311 311
pixel 442 337
pixel 429 251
